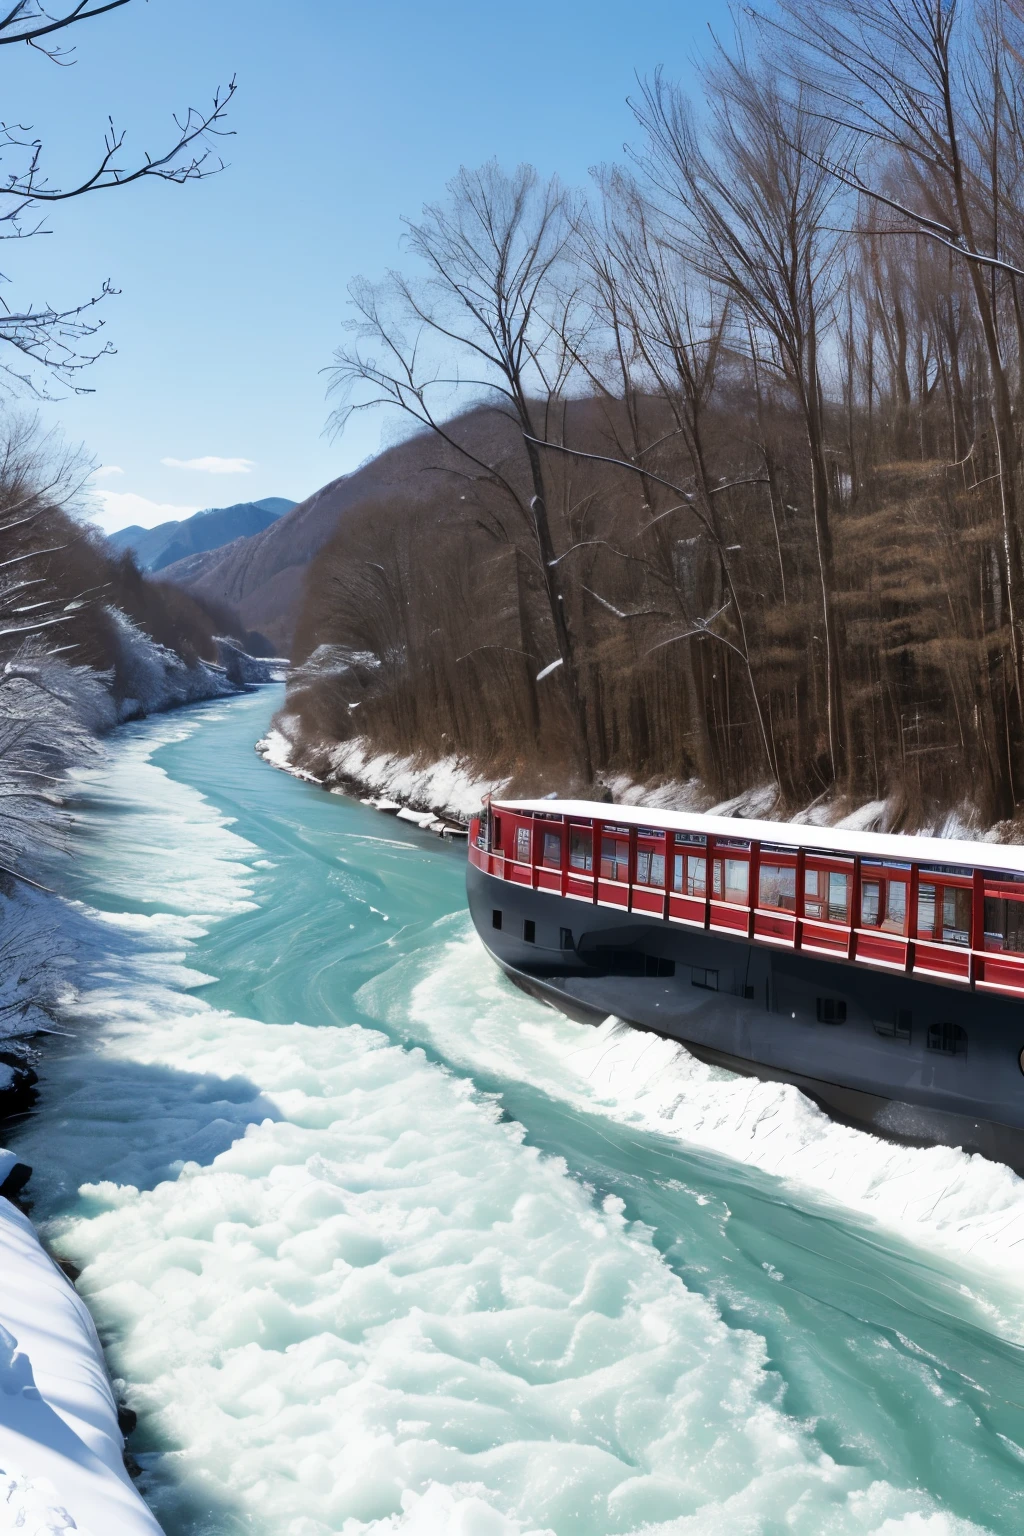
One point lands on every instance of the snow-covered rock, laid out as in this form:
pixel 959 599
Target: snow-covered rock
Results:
pixel 246 671
pixel 450 787
pixel 152 677
pixel 61 1465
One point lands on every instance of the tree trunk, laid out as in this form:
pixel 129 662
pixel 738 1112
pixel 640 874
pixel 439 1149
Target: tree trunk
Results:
pixel 559 619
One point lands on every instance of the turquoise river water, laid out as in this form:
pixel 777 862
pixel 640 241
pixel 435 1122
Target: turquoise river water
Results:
pixel 375 1243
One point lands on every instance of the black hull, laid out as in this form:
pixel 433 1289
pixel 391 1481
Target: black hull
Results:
pixel 762 1019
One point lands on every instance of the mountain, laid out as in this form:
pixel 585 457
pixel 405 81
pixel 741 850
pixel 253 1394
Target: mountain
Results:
pixel 262 577
pixel 158 547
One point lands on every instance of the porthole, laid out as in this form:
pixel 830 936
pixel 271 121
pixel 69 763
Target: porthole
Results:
pixel 1020 1059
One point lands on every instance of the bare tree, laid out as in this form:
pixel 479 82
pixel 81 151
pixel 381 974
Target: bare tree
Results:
pixel 665 327
pixel 752 204
pixel 933 87
pixel 485 323
pixel 52 343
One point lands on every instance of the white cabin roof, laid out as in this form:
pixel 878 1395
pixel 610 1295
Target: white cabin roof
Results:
pixel 888 846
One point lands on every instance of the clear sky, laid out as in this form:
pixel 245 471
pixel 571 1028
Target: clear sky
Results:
pixel 348 116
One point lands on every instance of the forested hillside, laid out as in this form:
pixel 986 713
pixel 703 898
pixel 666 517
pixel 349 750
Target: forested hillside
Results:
pixel 85 640
pixel 740 492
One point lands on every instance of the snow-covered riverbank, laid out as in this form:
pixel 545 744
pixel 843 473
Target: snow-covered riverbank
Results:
pixel 61 1464
pixel 454 787
pixel 449 787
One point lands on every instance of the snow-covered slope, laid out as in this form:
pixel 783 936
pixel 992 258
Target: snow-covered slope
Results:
pixel 61 1466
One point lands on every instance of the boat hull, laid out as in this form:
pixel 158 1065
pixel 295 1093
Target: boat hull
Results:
pixel 876 1062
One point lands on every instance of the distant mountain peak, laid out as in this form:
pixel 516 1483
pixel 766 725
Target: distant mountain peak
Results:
pixel 155 548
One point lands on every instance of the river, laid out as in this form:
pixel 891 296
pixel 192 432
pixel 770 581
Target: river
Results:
pixel 375 1243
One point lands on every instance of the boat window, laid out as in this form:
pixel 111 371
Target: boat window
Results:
pixel 523 845
pixel 950 1039
pixel 883 904
pixel 552 850
pixel 895 920
pixel 814 880
pixel 778 887
pixel 691 837
pixel 838 897
pixel 497 831
pixel 614 858
pixel 1004 924
pixel 926 911
pixel 735 875
pixel 695 876
pixel 581 850
pixel 956 915
pixel 870 902
pixel 689 874
pixel 650 867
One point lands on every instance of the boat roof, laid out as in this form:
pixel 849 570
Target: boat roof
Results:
pixel 887 846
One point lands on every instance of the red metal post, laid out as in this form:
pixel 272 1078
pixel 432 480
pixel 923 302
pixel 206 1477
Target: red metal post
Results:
pixel 753 884
pixel 709 879
pixel 912 895
pixel 851 949
pixel 977 922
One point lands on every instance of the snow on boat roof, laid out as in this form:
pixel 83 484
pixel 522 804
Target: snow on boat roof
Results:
pixel 888 846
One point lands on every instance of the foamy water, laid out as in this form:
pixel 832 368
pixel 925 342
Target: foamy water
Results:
pixel 347 1293
pixel 960 1203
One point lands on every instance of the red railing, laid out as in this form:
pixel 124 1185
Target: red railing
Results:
pixel 721 884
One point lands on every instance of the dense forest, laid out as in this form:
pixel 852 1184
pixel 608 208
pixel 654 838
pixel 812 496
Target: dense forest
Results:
pixel 726 456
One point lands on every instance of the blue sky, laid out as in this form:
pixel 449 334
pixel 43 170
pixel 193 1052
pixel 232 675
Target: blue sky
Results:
pixel 348 116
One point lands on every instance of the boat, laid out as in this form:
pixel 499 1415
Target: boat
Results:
pixel 882 974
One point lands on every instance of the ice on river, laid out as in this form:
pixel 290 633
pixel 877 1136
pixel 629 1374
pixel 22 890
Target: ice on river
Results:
pixel 346 1294
pixel 963 1204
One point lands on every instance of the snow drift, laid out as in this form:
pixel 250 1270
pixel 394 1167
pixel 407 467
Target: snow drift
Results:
pixel 61 1466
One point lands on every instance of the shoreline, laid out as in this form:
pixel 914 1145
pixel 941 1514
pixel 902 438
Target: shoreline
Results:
pixel 64 1456
pixel 451 789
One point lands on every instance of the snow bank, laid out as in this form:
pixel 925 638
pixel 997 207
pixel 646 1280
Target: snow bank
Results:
pixel 246 671
pixel 277 749
pixel 61 1466
pixel 451 787
pixel 34 961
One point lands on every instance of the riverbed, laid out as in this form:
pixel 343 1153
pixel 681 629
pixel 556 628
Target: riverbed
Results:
pixel 376 1243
